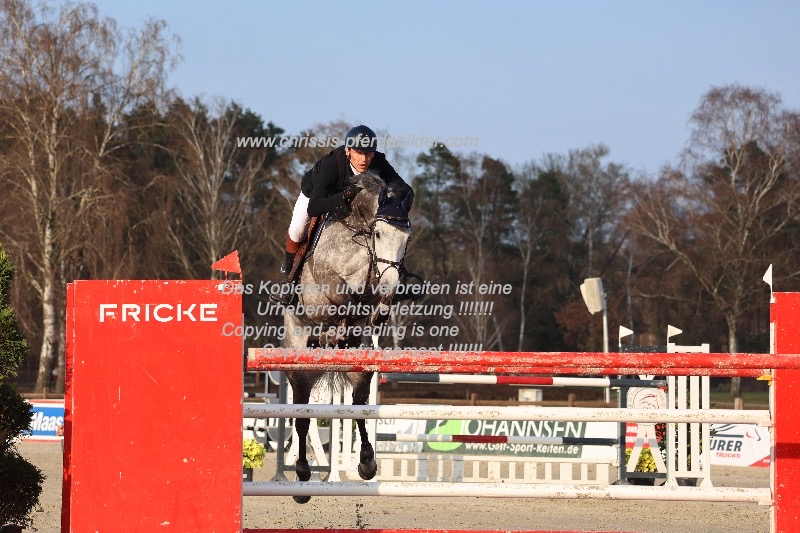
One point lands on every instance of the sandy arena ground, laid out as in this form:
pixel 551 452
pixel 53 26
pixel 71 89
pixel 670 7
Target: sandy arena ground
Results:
pixel 460 513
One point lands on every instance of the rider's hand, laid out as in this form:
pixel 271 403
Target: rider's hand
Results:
pixel 350 192
pixel 342 211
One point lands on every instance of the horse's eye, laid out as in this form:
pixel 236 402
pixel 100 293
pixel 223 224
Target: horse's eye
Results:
pixel 377 234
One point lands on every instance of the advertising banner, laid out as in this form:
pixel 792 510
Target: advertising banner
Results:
pixel 152 406
pixel 739 445
pixel 47 416
pixel 569 431
pixel 731 444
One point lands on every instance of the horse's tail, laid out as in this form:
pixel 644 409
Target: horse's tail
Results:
pixel 336 381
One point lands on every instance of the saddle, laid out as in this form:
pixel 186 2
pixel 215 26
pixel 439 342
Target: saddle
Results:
pixel 307 247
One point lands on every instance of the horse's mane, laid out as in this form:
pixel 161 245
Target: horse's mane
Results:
pixel 388 197
pixel 373 186
pixel 369 181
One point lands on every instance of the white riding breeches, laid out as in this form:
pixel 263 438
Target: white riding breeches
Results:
pixel 300 219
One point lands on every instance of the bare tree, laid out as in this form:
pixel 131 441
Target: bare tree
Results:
pixel 596 203
pixel 483 201
pixel 66 78
pixel 738 193
pixel 595 191
pixel 527 234
pixel 216 187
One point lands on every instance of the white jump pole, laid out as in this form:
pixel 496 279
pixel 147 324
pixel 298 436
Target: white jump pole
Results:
pixel 511 413
pixel 507 490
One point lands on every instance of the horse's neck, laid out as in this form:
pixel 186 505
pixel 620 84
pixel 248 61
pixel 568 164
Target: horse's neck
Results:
pixel 342 253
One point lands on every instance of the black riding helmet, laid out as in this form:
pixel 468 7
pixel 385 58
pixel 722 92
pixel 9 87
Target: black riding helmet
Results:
pixel 361 138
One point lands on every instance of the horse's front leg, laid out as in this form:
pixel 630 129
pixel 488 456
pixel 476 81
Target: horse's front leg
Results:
pixel 367 465
pixel 301 388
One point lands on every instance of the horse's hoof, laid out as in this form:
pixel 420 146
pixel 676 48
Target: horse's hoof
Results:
pixel 302 499
pixel 368 470
pixel 303 471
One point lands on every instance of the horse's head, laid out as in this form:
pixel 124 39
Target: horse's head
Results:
pixel 377 209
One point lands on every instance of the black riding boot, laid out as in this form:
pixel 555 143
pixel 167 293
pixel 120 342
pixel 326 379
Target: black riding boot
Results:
pixel 288 263
pixel 286 294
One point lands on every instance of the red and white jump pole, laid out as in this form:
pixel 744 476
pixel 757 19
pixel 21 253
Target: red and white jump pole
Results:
pixel 586 363
pixel 541 381
pixel 496 439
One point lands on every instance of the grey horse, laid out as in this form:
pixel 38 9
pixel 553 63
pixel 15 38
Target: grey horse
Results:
pixel 356 267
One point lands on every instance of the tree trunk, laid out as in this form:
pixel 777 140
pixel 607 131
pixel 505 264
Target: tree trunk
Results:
pixel 736 382
pixel 49 333
pixel 522 306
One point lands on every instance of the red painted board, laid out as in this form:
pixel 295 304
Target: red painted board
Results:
pixel 153 408
pixel 785 317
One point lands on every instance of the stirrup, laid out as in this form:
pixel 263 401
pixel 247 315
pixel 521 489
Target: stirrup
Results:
pixel 285 296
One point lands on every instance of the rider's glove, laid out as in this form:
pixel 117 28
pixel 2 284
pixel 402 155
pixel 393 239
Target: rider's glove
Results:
pixel 350 192
pixel 342 211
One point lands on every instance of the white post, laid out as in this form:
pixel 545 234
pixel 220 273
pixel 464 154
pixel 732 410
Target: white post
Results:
pixel 595 299
pixel 685 440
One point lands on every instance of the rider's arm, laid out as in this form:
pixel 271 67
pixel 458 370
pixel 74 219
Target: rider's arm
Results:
pixel 325 195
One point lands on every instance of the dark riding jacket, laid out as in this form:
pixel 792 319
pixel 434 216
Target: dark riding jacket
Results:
pixel 324 182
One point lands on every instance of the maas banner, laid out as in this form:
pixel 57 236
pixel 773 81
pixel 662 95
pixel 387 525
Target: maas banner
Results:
pixel 47 416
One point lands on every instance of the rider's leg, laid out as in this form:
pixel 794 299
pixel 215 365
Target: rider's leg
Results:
pixel 291 251
pixel 296 233
pixel 294 237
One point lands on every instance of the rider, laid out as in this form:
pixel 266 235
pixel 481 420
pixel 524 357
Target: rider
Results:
pixel 323 187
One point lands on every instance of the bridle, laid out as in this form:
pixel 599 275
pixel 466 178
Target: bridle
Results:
pixel 369 244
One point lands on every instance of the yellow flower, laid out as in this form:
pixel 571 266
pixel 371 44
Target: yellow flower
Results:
pixel 646 462
pixel 253 453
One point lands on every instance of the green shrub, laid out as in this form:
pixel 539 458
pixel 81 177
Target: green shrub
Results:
pixel 13 347
pixel 20 481
pixel 15 415
pixel 21 485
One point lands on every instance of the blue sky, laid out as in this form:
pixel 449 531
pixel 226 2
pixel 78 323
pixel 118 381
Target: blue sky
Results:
pixel 525 78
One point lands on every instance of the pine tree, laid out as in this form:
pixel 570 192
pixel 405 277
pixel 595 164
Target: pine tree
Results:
pixel 20 481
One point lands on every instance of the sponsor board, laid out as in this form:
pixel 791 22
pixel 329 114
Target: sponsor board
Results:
pixel 499 428
pixel 740 445
pixel 47 416
pixel 731 444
